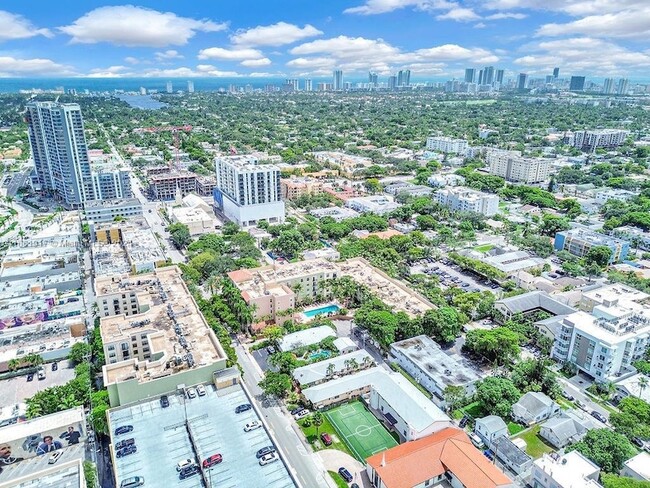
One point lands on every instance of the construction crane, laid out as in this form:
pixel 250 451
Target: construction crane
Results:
pixel 174 129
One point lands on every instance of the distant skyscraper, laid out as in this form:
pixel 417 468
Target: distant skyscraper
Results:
pixel 623 86
pixel 499 76
pixel 143 90
pixel 292 83
pixel 480 77
pixel 549 79
pixel 190 86
pixel 372 79
pixel 404 77
pixel 470 75
pixel 608 87
pixel 488 75
pixel 337 81
pixel 169 87
pixel 522 81
pixel 577 83
pixel 392 82
pixel 56 136
pixel 556 73
pixel 308 85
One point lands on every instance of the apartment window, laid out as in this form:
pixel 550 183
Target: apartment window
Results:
pixel 125 346
pixel 111 347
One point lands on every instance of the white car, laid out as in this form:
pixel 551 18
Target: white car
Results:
pixel 268 459
pixel 185 463
pixel 255 424
pixel 302 414
pixel 55 457
pixel 191 393
pixel 200 389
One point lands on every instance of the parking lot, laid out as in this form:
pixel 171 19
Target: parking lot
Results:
pixel 451 275
pixel 163 438
pixel 18 389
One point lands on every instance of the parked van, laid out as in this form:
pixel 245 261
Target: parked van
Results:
pixel 132 482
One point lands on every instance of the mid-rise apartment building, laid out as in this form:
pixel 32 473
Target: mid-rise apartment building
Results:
pixel 108 210
pixel 467 200
pixel 56 136
pixel 292 188
pixel 579 240
pixel 447 145
pixel 590 140
pixel 154 336
pixel 248 192
pixel 516 168
pixel 110 183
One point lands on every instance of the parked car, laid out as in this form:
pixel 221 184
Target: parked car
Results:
pixel 125 451
pixel 637 441
pixel 212 460
pixel 55 457
pixel 270 350
pixel 580 405
pixel 243 408
pixel 30 377
pixel 125 443
pixel 568 396
pixel 191 393
pixel 164 401
pixel 200 389
pixel 302 414
pixel 296 410
pixel 268 458
pixel 132 482
pixel 599 416
pixel 463 422
pixel 345 474
pixel 326 438
pixel 55 366
pixel 188 471
pixel 264 451
pixel 255 424
pixel 123 429
pixel 41 374
pixel 476 440
pixel 185 463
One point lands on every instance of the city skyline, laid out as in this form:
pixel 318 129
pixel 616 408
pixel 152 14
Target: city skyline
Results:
pixel 355 36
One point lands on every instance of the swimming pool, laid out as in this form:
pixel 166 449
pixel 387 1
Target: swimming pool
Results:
pixel 321 310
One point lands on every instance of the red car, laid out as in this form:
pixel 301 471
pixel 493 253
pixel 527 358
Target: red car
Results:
pixel 326 438
pixel 212 460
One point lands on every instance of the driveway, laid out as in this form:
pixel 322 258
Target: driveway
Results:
pixel 18 389
pixel 333 459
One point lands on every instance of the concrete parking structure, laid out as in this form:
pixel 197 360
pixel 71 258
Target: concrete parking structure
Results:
pixel 164 438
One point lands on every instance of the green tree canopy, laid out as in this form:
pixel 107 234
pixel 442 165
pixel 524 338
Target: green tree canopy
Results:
pixel 606 448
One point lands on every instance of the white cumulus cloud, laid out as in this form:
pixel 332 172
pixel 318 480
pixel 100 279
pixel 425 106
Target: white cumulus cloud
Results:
pixel 128 25
pixel 13 26
pixel 279 34
pixel 627 24
pixel 234 54
pixel 10 66
pixel 168 55
pixel 255 63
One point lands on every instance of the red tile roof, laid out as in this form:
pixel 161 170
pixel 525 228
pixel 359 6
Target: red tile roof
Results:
pixel 240 275
pixel 450 449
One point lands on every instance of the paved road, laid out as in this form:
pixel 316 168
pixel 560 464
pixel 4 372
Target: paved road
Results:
pixel 574 390
pixel 307 467
pixel 17 181
pixel 24 217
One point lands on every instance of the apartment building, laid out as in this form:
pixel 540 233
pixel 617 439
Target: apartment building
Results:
pixel 154 337
pixel 516 168
pixel 107 210
pixel 378 204
pixel 466 200
pixel 247 191
pixel 447 145
pixel 590 140
pixel 293 188
pixel 571 470
pixel 579 240
pixel 166 186
pixel 110 182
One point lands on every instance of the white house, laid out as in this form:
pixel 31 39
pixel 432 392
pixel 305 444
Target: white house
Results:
pixel 534 407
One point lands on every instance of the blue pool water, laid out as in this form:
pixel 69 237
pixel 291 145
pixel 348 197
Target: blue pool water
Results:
pixel 317 311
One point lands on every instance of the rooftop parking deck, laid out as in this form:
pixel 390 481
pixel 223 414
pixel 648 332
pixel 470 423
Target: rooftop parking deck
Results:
pixel 161 434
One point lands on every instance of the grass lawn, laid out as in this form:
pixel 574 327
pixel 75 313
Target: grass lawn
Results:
pixel 564 403
pixel 535 445
pixel 340 482
pixel 484 247
pixel 473 409
pixel 514 428
pixel 313 437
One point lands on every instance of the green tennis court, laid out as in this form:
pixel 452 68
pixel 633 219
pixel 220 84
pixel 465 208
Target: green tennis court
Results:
pixel 360 430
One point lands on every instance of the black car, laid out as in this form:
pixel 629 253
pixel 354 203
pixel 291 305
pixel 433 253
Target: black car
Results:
pixel 345 474
pixel 243 408
pixel 164 401
pixel 125 451
pixel 463 422
pixel 125 443
pixel 296 410
pixel 599 416
pixel 124 429
pixel 264 451
pixel 188 471
pixel 637 441
pixel 55 366
pixel 30 377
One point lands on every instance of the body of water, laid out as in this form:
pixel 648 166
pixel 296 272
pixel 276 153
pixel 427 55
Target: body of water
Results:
pixel 321 310
pixel 142 101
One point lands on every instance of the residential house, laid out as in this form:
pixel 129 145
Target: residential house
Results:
pixel 510 455
pixel 572 470
pixel 534 407
pixel 490 428
pixel 569 427
pixel 637 467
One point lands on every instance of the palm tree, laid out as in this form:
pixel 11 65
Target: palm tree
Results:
pixel 317 421
pixel 330 370
pixel 643 384
pixel 14 364
pixel 352 363
pixel 367 362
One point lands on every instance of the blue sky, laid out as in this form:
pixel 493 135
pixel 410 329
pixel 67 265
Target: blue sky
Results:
pixel 309 38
